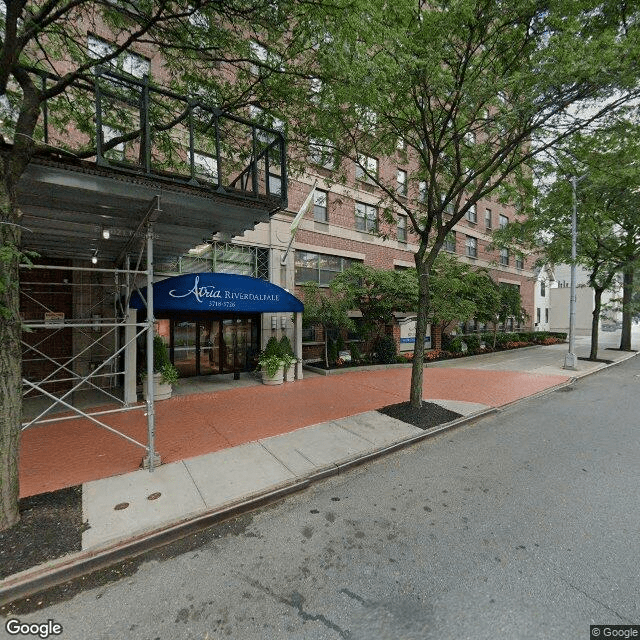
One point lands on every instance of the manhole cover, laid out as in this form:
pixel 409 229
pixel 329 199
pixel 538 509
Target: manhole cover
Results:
pixel 120 506
pixel 154 496
pixel 565 389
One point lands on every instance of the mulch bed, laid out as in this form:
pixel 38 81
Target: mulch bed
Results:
pixel 50 527
pixel 600 360
pixel 427 416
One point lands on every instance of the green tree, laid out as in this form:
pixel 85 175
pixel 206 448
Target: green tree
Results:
pixel 472 89
pixel 325 308
pixel 377 293
pixel 44 57
pixel 459 292
pixel 608 214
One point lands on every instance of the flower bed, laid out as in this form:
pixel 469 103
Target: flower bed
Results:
pixel 458 347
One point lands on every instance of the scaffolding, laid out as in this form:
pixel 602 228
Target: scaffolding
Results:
pixel 123 322
pixel 102 217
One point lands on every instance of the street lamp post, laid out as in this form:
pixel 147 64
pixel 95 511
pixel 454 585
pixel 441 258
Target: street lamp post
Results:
pixel 570 359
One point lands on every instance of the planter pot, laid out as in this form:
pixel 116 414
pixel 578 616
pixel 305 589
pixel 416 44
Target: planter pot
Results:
pixel 277 378
pixel 162 389
pixel 290 372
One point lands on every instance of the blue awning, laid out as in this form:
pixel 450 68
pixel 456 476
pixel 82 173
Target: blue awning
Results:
pixel 219 292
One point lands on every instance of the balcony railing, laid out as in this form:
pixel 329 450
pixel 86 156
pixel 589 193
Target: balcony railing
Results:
pixel 132 126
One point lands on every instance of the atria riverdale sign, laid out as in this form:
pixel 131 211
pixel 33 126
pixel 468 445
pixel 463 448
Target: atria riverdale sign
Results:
pixel 218 292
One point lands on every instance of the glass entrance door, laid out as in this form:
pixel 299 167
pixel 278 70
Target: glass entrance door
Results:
pixel 216 345
pixel 184 342
pixel 209 354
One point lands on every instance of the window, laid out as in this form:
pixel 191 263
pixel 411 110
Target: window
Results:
pixel 450 242
pixel 266 120
pixel 504 221
pixel 225 257
pixel 320 153
pixel 366 163
pixel 320 206
pixel 402 182
pixel 275 184
pixel 205 166
pixel 318 267
pixel 537 315
pixel 316 90
pixel 546 314
pixel 543 288
pixel 487 218
pixel 519 262
pixel 366 217
pixel 367 119
pixel 127 61
pixel 471 214
pixel 472 247
pixel 401 145
pixel 258 53
pixel 402 228
pixel 117 152
pixel 422 191
pixel 470 137
pixel 504 256
pixel 449 207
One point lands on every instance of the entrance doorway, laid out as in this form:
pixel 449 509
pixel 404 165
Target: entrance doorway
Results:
pixel 215 344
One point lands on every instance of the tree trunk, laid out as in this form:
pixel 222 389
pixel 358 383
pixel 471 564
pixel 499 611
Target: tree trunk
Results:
pixel 627 312
pixel 326 347
pixel 595 322
pixel 10 360
pixel 13 165
pixel 417 369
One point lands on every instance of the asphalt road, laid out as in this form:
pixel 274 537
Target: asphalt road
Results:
pixel 523 525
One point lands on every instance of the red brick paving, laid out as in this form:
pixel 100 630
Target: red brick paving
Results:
pixel 71 452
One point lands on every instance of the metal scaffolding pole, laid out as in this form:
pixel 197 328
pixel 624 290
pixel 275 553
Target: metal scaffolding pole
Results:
pixel 152 458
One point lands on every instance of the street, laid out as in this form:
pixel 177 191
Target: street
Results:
pixel 523 525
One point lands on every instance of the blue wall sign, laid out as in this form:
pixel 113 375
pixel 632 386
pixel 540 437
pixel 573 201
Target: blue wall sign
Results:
pixel 218 292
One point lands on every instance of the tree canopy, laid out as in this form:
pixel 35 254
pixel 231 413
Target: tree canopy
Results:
pixel 603 164
pixel 466 93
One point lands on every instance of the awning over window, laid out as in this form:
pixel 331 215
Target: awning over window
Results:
pixel 218 292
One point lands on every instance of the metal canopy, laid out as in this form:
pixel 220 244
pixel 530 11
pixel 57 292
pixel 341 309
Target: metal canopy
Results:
pixel 67 207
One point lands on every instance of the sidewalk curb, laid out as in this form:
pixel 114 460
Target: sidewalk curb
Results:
pixel 48 575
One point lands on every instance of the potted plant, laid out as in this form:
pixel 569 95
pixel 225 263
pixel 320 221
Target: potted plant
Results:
pixel 165 375
pixel 271 363
pixel 289 360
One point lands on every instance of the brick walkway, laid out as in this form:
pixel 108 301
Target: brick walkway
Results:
pixel 71 452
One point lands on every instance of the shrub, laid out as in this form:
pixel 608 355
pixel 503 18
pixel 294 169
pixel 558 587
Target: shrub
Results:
pixel 285 346
pixel 356 356
pixel 340 346
pixel 386 349
pixel 332 351
pixel 539 337
pixel 473 343
pixel 455 345
pixel 272 348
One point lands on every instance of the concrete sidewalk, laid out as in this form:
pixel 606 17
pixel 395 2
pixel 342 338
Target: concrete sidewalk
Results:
pixel 215 481
pixel 130 507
